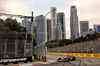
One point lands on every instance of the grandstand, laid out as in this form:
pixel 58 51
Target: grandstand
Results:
pixel 92 46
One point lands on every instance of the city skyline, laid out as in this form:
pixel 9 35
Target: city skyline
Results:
pixel 86 10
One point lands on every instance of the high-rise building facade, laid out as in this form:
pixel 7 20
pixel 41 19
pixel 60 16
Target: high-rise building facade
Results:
pixel 61 19
pixel 53 22
pixel 34 27
pixel 41 29
pixel 97 28
pixel 26 23
pixel 58 31
pixel 48 30
pixel 74 23
pixel 84 27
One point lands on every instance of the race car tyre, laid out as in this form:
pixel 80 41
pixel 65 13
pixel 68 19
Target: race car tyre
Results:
pixel 59 59
pixel 73 58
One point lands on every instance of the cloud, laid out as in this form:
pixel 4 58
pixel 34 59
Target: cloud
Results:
pixel 21 7
pixel 88 10
pixel 18 7
pixel 2 7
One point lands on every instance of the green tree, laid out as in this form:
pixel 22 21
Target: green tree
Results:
pixel 9 29
pixel 29 38
pixel 2 29
pixel 14 31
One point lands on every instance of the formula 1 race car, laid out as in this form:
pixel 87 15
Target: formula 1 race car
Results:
pixel 67 58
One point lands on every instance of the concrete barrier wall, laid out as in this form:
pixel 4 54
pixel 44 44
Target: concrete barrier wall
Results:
pixel 77 54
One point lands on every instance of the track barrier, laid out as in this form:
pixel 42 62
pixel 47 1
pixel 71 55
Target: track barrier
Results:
pixel 77 54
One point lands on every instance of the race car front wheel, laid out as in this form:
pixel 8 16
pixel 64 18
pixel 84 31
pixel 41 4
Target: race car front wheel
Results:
pixel 59 59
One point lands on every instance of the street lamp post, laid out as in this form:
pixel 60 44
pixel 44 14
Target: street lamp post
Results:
pixel 32 51
pixel 39 30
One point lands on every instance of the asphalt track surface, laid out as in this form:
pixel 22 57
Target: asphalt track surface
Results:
pixel 50 64
pixel 58 64
pixel 80 61
pixel 64 64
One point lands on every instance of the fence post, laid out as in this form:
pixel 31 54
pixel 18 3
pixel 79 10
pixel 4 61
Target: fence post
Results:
pixel 42 50
pixel 39 51
pixel 5 48
pixel 16 44
pixel 24 47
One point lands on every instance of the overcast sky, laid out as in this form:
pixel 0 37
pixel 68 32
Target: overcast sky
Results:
pixel 88 10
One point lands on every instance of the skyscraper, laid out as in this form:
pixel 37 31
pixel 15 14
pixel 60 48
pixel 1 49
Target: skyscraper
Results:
pixel 84 27
pixel 42 30
pixel 26 23
pixel 61 19
pixel 74 23
pixel 58 31
pixel 53 22
pixel 34 28
pixel 48 30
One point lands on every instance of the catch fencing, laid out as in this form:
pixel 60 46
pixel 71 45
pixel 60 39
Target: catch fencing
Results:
pixel 15 48
pixel 40 51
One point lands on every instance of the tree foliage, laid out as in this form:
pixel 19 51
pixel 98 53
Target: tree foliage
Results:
pixel 64 42
pixel 29 38
pixel 2 28
pixel 11 30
